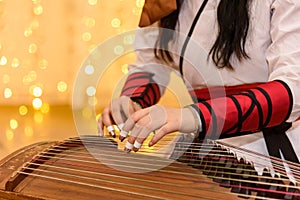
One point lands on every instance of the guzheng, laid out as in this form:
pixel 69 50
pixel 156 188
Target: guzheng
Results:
pixel 90 167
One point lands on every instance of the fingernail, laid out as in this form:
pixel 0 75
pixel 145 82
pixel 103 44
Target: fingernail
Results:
pixel 135 149
pixel 127 150
pixel 123 135
pixel 112 133
pixel 128 146
pixel 150 144
pixel 100 134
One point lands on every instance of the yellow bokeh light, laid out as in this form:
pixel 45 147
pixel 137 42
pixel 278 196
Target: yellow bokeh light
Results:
pixel 37 103
pixel 35 24
pixel 62 86
pixel 92 2
pixel 93 101
pixel 32 75
pixel 3 60
pixel 38 10
pixel 37 91
pixel 89 69
pixel 36 1
pixel 91 91
pixel 6 78
pixel 45 108
pixel 87 36
pixel 118 50
pixel 43 64
pixel 136 11
pixel 28 131
pixel 89 22
pixel 7 93
pixel 125 68
pixel 28 32
pixel 116 23
pixel 38 117
pixel 129 39
pixel 13 124
pixel 23 110
pixel 140 3
pixel 15 62
pixel 9 135
pixel 32 48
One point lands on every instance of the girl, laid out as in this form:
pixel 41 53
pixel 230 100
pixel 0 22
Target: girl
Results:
pixel 254 46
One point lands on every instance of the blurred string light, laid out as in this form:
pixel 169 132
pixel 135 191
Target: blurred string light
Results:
pixel 38 117
pixel 6 78
pixel 23 110
pixel 62 86
pixel 13 124
pixel 28 130
pixel 37 103
pixel 89 69
pixel 7 93
pixel 27 65
pixel 9 135
pixel 3 60
pixel 91 91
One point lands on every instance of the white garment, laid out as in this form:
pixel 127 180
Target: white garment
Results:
pixel 272 45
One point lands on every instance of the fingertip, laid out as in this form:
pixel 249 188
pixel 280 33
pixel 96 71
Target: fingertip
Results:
pixel 151 143
pixel 123 135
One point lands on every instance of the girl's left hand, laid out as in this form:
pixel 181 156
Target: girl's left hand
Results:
pixel 162 120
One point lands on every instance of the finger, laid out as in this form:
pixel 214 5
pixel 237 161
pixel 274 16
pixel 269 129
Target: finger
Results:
pixel 139 133
pixel 138 143
pixel 160 133
pixel 136 146
pixel 131 121
pixel 111 130
pixel 108 122
pixel 132 138
pixel 128 146
pixel 116 112
pixel 100 127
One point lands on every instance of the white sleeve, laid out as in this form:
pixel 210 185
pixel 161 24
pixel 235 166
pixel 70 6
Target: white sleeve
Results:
pixel 283 55
pixel 146 61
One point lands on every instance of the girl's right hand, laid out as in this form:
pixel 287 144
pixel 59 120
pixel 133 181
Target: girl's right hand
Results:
pixel 116 114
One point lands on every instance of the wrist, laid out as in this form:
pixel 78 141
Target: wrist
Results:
pixel 196 119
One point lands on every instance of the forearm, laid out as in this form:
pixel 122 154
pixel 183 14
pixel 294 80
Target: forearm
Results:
pixel 141 88
pixel 267 105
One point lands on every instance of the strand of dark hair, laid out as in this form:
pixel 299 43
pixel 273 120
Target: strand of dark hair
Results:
pixel 233 22
pixel 165 35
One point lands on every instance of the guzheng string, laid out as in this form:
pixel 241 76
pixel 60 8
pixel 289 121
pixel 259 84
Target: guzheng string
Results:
pixel 132 163
pixel 109 152
pixel 50 153
pixel 208 148
pixel 138 160
pixel 277 162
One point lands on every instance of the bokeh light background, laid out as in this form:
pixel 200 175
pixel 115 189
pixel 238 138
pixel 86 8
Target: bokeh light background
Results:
pixel 42 46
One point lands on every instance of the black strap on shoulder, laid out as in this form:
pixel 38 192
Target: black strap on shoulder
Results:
pixel 190 34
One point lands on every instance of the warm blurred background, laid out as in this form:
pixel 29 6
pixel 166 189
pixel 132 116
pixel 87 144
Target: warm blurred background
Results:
pixel 43 45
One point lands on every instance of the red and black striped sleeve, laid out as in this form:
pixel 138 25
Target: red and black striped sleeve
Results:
pixel 141 88
pixel 267 105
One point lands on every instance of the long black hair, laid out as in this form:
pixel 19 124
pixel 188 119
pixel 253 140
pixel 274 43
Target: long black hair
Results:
pixel 233 21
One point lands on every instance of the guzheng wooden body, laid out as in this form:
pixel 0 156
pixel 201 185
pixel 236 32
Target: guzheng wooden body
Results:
pixel 68 170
